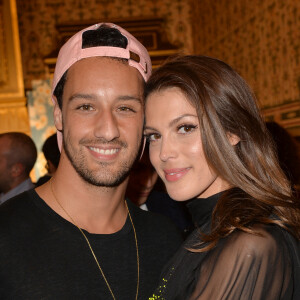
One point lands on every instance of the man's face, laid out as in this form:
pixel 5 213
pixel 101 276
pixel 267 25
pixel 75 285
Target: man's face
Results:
pixel 102 119
pixel 5 178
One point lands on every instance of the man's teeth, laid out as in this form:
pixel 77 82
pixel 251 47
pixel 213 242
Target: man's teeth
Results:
pixel 105 152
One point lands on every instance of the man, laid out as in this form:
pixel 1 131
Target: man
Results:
pixel 17 158
pixel 76 237
pixel 51 153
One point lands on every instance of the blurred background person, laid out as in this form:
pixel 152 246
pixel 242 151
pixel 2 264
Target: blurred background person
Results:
pixel 17 157
pixel 52 154
pixel 142 180
pixel 146 190
pixel 287 149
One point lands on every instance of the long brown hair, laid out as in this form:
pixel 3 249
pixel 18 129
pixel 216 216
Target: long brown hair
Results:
pixel 226 105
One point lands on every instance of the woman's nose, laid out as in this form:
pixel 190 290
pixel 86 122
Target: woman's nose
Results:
pixel 167 149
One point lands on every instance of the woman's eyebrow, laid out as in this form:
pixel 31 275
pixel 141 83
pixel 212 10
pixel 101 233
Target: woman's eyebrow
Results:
pixel 176 120
pixel 173 122
pixel 149 128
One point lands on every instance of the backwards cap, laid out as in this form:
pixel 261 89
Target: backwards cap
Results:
pixel 72 51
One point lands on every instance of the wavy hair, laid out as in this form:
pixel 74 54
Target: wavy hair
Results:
pixel 226 105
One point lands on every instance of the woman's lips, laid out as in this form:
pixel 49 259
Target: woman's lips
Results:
pixel 175 174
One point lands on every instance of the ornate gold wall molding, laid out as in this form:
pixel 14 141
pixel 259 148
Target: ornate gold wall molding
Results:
pixel 38 20
pixel 287 115
pixel 149 31
pixel 14 117
pixel 3 60
pixel 260 39
pixel 13 112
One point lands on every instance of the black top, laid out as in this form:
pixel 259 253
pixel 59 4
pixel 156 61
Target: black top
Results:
pixel 241 266
pixel 160 202
pixel 43 256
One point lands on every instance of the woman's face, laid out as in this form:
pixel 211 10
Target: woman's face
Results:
pixel 176 152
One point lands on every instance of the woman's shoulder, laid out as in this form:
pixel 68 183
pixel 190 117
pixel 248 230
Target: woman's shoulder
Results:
pixel 265 241
pixel 241 262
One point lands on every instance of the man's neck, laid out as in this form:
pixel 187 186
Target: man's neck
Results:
pixel 95 209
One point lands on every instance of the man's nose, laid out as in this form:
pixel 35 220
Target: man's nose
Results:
pixel 106 126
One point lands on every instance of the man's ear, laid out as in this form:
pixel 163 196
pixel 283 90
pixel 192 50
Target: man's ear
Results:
pixel 17 169
pixel 57 114
pixel 233 139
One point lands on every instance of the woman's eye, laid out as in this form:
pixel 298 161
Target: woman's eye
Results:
pixel 153 137
pixel 186 128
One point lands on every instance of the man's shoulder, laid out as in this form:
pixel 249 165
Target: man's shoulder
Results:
pixel 16 207
pixel 17 200
pixel 22 187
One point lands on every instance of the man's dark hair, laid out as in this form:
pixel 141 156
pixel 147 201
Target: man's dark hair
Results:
pixel 51 150
pixel 103 36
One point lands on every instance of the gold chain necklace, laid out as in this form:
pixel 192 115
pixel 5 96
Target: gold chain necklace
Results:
pixel 93 253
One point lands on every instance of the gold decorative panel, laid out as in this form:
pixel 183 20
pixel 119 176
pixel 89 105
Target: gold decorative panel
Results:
pixel 38 20
pixel 287 115
pixel 3 60
pixel 11 68
pixel 261 40
pixel 13 112
pixel 149 31
pixel 14 117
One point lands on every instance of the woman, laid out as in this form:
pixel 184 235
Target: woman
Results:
pixel 209 143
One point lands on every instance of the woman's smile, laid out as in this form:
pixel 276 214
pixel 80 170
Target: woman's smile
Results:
pixel 176 152
pixel 175 174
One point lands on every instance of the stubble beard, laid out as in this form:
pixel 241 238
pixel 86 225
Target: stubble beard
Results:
pixel 104 176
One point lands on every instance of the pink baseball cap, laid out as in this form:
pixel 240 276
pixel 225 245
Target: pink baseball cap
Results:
pixel 72 51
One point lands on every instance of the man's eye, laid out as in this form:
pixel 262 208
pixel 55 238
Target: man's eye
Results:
pixel 186 128
pixel 126 109
pixel 85 107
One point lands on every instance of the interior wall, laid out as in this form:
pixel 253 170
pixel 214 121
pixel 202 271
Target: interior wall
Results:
pixel 38 18
pixel 13 112
pixel 261 40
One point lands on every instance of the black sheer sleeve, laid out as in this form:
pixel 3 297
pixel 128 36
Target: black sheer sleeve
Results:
pixel 246 266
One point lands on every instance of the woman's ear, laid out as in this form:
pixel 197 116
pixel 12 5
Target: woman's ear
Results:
pixel 233 139
pixel 57 114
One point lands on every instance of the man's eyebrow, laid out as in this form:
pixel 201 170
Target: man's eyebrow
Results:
pixel 82 96
pixel 93 97
pixel 129 97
